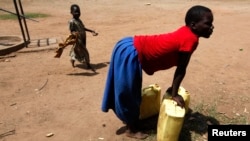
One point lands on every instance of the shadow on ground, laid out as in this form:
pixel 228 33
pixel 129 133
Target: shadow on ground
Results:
pixel 197 123
pixel 95 66
pixel 194 122
pixel 12 132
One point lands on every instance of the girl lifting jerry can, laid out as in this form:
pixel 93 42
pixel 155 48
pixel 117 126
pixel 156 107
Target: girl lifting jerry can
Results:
pixel 171 116
pixel 185 95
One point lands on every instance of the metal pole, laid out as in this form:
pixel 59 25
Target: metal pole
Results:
pixel 24 20
pixel 20 22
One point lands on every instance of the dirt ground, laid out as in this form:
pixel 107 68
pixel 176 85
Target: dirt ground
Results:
pixel 41 94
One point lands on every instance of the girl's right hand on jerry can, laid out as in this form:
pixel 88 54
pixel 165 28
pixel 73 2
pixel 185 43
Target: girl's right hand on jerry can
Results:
pixel 179 100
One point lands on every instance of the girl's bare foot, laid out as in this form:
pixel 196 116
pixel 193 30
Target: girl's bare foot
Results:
pixel 136 134
pixel 90 67
pixel 133 132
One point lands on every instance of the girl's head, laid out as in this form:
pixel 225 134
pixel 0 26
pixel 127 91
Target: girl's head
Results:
pixel 75 11
pixel 200 20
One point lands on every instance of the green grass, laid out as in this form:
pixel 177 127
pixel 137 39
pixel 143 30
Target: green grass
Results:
pixel 28 15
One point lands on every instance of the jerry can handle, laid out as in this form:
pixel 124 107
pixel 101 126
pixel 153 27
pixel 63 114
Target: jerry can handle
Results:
pixel 147 88
pixel 150 86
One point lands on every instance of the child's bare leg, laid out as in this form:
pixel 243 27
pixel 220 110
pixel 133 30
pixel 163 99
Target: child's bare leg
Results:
pixel 90 67
pixel 132 132
pixel 72 63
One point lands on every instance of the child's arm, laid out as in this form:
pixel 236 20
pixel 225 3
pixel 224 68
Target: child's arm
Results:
pixel 92 31
pixel 178 77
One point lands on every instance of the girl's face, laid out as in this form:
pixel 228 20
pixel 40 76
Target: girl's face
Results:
pixel 204 27
pixel 76 12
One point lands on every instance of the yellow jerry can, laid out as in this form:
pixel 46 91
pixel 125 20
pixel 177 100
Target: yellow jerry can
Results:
pixel 170 121
pixel 171 117
pixel 150 104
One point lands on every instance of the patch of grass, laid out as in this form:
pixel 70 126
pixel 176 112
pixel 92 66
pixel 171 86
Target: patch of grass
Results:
pixel 210 110
pixel 28 15
pixel 196 122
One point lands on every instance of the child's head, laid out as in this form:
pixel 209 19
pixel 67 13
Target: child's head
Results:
pixel 200 20
pixel 75 11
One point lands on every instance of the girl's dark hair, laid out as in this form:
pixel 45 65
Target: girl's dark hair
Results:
pixel 74 6
pixel 195 13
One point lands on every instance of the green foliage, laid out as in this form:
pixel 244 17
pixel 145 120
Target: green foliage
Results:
pixel 28 15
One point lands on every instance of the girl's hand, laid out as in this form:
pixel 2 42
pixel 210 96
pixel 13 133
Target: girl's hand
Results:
pixel 75 33
pixel 179 100
pixel 94 33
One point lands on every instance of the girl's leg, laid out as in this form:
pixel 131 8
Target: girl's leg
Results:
pixel 72 62
pixel 90 67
